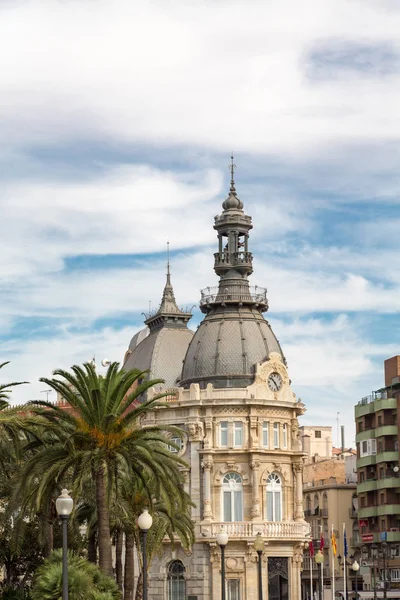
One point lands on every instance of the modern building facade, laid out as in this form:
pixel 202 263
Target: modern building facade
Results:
pixel 232 397
pixel 329 495
pixel 378 488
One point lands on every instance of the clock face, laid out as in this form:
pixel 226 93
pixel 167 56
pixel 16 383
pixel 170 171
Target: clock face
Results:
pixel 275 382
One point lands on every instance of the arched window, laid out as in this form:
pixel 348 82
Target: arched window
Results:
pixel 232 497
pixel 274 498
pixel 176 581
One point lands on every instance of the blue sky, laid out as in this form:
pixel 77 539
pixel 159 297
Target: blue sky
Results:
pixel 117 122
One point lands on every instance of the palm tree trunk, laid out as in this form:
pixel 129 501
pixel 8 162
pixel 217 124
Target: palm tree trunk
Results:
pixel 139 587
pixel 118 557
pixel 103 515
pixel 92 547
pixel 129 579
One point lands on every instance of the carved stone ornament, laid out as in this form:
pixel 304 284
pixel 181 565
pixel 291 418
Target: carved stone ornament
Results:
pixel 273 365
pixel 207 464
pixel 228 468
pixel 215 556
pixel 224 411
pixel 195 431
pixel 298 554
pixel 296 443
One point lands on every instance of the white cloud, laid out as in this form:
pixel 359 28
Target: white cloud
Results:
pixel 167 72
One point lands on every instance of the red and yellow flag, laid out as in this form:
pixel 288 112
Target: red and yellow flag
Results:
pixel 334 545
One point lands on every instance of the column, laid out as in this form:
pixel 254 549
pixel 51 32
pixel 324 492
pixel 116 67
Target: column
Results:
pixel 255 508
pixel 298 513
pixel 207 466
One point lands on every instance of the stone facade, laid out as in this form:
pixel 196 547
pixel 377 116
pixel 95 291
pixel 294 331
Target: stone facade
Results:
pixel 268 444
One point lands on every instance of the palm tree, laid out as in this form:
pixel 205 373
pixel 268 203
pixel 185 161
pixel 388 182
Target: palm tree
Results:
pixel 99 436
pixel 4 389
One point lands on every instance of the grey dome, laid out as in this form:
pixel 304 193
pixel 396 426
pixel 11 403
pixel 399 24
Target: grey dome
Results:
pixel 226 347
pixel 138 337
pixel 161 353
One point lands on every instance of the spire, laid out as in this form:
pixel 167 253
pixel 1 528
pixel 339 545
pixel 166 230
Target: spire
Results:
pixel 232 168
pixel 168 313
pixel 232 202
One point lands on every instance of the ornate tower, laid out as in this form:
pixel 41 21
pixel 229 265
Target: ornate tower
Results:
pixel 234 336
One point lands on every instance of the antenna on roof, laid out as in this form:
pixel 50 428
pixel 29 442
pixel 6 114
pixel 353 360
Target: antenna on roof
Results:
pixel 168 271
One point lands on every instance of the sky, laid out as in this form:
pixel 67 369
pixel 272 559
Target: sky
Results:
pixel 117 121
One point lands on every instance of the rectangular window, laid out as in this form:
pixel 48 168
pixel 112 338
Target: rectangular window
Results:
pixel 224 433
pixel 238 505
pixel 265 434
pixel 238 434
pixel 276 435
pixel 227 506
pixel 178 441
pixel 368 447
pixel 317 434
pixel 233 589
pixel 284 434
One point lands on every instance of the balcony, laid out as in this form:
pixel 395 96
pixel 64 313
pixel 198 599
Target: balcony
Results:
pixel 376 401
pixel 378 484
pixel 284 530
pixel 353 514
pixel 215 295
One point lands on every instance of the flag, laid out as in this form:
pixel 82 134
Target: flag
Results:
pixel 334 546
pixel 345 549
pixel 322 542
pixel 311 548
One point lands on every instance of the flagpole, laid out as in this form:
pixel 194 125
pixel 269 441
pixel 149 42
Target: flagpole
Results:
pixel 344 561
pixel 322 566
pixel 311 579
pixel 333 566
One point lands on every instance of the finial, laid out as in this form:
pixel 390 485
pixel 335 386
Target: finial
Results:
pixel 232 168
pixel 168 271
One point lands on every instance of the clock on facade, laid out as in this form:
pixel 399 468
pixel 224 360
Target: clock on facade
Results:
pixel 275 382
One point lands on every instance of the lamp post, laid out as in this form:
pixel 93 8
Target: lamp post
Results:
pixel 222 540
pixel 356 567
pixel 383 554
pixel 259 548
pixel 319 559
pixel 64 506
pixel 145 521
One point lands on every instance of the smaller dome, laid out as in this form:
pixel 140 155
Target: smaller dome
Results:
pixel 232 202
pixel 138 337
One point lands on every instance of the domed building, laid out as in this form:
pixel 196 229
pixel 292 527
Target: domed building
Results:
pixel 235 404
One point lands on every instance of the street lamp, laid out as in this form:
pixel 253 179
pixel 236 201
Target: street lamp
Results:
pixel 259 548
pixel 383 554
pixel 319 559
pixel 145 521
pixel 356 567
pixel 222 540
pixel 64 506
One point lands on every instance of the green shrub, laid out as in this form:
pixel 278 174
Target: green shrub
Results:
pixel 11 593
pixel 85 580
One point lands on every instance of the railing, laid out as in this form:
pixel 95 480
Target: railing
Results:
pixel 232 258
pixel 254 294
pixel 378 395
pixel 269 530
